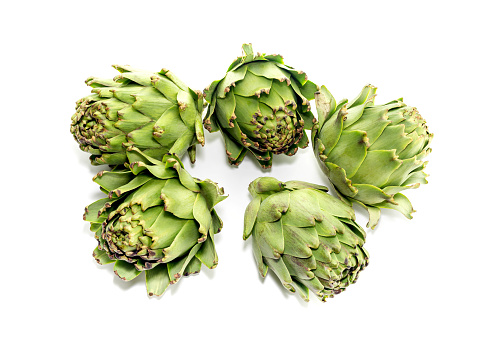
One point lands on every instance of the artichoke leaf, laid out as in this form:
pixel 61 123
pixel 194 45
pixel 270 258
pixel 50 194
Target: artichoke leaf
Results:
pixel 263 268
pixel 211 193
pixel 164 229
pixel 188 109
pixel 202 215
pixel 273 207
pixel 337 176
pixel 279 268
pixel 92 212
pixel 193 267
pixel 270 238
pixel 183 242
pixel 376 168
pixel 350 152
pixel 157 280
pixel 370 194
pixel 207 253
pixel 148 195
pixel 302 290
pixel 177 199
pixel 295 184
pixel 268 70
pixel 300 267
pixel 166 87
pixel 151 103
pixel 403 205
pixel 250 216
pixel 232 77
pixel 300 241
pixel 325 104
pixel 102 257
pixel 303 209
pixel 125 270
pixel 177 267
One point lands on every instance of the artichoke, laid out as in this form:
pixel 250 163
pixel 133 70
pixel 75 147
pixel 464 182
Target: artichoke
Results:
pixel 306 236
pixel 155 112
pixel 371 153
pixel 261 106
pixel 156 218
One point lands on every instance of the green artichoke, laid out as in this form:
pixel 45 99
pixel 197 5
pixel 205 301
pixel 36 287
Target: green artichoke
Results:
pixel 156 218
pixel 155 112
pixel 261 106
pixel 306 236
pixel 371 153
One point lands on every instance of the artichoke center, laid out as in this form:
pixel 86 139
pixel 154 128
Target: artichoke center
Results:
pixel 277 134
pixel 125 234
pixel 86 125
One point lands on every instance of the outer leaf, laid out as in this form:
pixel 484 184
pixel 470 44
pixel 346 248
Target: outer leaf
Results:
pixel 270 238
pixel 157 280
pixel 250 216
pixel 125 271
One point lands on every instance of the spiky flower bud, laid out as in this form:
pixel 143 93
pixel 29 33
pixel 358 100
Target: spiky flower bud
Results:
pixel 154 112
pixel 371 153
pixel 306 236
pixel 157 219
pixel 261 106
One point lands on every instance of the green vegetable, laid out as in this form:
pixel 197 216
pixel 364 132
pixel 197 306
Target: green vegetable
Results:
pixel 154 112
pixel 261 106
pixel 371 153
pixel 307 237
pixel 157 219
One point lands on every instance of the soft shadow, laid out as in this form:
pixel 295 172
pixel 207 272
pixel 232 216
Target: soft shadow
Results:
pixel 212 137
pixel 247 245
pixel 321 173
pixel 278 161
pixel 362 213
pixel 83 160
pixel 286 294
pixel 390 216
pixel 393 215
pixel 173 288
pixel 283 160
pixel 210 273
pixel 140 279
pixel 86 229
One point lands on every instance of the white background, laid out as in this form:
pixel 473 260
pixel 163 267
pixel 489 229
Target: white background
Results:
pixel 437 278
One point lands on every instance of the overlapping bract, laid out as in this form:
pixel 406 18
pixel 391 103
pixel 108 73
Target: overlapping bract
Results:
pixel 371 152
pixel 261 106
pixel 307 237
pixel 155 112
pixel 156 218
